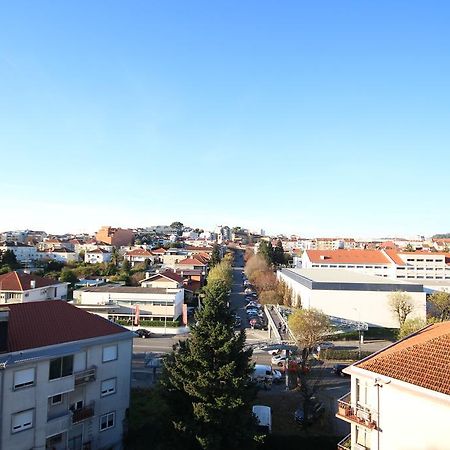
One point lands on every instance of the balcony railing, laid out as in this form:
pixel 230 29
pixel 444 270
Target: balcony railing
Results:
pixel 355 413
pixel 346 443
pixel 85 376
pixel 83 413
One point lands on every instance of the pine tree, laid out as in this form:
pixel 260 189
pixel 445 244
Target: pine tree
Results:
pixel 215 256
pixel 206 380
pixel 278 253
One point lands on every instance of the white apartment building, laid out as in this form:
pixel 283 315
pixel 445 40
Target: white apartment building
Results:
pixel 119 302
pixel 385 263
pixel 97 255
pixel 400 396
pixel 350 295
pixel 64 378
pixel 24 253
pixel 61 254
pixel 18 287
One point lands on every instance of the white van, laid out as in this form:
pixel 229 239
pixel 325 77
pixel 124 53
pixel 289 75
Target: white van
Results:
pixel 264 416
pixel 263 373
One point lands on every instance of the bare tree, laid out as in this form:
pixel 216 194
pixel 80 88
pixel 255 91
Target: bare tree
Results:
pixel 309 326
pixel 440 301
pixel 401 305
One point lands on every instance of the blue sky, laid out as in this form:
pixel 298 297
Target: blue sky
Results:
pixel 315 118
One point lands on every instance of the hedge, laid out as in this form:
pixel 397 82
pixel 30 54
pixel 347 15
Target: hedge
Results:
pixel 351 355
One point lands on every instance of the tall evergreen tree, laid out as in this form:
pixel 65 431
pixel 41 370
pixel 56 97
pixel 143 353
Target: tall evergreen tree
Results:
pixel 215 256
pixel 266 250
pixel 278 253
pixel 8 258
pixel 206 380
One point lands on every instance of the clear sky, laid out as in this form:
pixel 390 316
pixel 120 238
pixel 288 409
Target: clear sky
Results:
pixel 315 118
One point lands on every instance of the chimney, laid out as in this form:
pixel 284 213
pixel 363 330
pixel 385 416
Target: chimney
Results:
pixel 32 284
pixel 4 319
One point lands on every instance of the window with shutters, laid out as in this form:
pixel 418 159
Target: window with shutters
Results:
pixel 22 421
pixel 109 353
pixel 24 378
pixel 108 387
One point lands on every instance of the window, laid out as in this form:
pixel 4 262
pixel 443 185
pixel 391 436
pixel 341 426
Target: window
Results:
pixel 107 421
pixel 22 421
pixel 61 367
pixel 108 387
pixel 109 353
pixel 23 378
pixel 56 399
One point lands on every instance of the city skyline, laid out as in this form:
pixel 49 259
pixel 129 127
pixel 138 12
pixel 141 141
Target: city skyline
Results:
pixel 315 120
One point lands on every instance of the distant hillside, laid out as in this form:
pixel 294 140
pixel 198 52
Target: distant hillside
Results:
pixel 442 236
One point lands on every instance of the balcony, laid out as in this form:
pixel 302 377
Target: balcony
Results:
pixel 346 443
pixel 354 413
pixel 85 376
pixel 57 425
pixel 83 413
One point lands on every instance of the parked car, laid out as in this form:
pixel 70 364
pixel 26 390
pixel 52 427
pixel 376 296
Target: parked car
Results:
pixel 279 360
pixel 263 415
pixel 314 412
pixel 258 324
pixel 253 305
pixel 143 333
pixel 277 376
pixel 338 368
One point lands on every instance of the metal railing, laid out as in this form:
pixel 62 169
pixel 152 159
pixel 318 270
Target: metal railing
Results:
pixel 346 443
pixel 85 376
pixel 358 414
pixel 86 412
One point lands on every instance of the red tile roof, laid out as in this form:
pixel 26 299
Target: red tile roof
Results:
pixel 191 262
pixel 423 359
pixel 167 274
pixel 353 256
pixel 139 252
pixel 39 324
pixel 393 254
pixel 160 251
pixel 15 281
pixel 97 250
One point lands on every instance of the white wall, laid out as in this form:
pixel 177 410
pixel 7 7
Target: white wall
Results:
pixel 410 418
pixel 371 307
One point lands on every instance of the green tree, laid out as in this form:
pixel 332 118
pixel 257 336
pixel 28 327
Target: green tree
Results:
pixel 68 276
pixel 278 254
pixel 401 305
pixel 206 380
pixel 265 249
pixel 440 301
pixel 126 267
pixel 411 326
pixel 8 258
pixel 178 226
pixel 222 272
pixel 215 256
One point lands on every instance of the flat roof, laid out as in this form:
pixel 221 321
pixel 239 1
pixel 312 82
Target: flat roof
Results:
pixel 341 279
